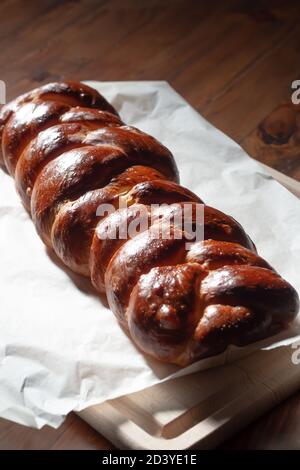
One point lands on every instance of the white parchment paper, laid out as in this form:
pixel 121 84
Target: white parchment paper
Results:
pixel 61 348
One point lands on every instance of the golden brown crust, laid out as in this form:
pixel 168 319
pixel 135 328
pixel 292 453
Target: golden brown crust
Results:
pixel 179 298
pixel 66 94
pixel 74 225
pixel 135 258
pixel 230 305
pixel 164 310
pixel 213 254
pixel 91 166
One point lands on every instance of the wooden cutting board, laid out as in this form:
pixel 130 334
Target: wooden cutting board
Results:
pixel 206 408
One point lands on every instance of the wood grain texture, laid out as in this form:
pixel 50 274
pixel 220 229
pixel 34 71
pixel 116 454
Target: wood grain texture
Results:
pixel 234 61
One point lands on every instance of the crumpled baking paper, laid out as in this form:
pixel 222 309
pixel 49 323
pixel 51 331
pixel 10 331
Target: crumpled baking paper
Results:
pixel 61 348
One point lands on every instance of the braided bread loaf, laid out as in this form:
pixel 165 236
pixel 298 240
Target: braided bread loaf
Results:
pixel 70 153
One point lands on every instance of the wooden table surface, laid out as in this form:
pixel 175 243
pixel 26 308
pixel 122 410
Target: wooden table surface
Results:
pixel 234 61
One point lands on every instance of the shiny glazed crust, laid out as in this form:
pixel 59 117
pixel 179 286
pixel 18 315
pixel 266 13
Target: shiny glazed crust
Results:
pixel 179 300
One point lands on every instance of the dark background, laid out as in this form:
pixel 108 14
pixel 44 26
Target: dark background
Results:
pixel 233 60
